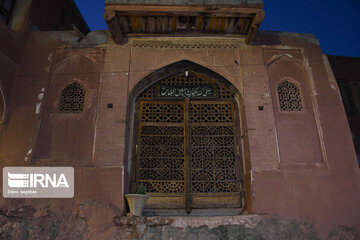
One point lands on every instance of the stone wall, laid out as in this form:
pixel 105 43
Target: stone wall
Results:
pixel 96 221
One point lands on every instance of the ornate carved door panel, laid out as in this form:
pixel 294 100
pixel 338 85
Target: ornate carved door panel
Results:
pixel 187 151
pixel 161 153
pixel 186 154
pixel 214 163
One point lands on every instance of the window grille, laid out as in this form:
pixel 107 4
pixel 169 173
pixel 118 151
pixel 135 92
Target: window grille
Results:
pixel 289 97
pixel 72 98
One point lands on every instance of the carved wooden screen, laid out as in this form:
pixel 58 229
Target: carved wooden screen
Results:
pixel 186 153
pixel 161 153
pixel 214 166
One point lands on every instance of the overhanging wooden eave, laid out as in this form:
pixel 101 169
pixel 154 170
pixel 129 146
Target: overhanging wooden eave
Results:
pixel 182 9
pixel 178 20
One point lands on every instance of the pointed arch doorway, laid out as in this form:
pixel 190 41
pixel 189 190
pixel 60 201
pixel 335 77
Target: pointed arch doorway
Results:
pixel 188 146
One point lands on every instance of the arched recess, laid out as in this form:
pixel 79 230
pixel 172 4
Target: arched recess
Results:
pixel 134 143
pixel 66 137
pixel 297 132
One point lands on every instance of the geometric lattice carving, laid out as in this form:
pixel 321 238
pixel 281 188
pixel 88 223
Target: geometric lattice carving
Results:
pixel 168 129
pixel 289 97
pixel 72 98
pixel 213 161
pixel 211 113
pixel 192 80
pixel 184 45
pixel 161 147
pixel 162 112
pixel 160 165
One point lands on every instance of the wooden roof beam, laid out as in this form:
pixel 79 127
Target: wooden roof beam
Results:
pixel 114 26
pixel 254 27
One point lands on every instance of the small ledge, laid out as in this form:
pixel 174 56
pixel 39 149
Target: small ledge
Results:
pixel 315 166
pixel 183 221
pixel 212 212
pixel 220 227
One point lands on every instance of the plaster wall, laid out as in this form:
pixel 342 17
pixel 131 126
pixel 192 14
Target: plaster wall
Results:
pixel 11 50
pixel 310 187
pixel 69 136
pixel 32 120
pixel 312 191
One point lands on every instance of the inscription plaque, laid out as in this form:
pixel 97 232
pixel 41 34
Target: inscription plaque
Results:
pixel 203 91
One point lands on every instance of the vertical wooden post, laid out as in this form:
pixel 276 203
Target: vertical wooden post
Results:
pixel 255 24
pixel 114 26
pixel 187 156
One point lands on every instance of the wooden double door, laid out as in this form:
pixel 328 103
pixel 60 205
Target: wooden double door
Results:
pixel 187 154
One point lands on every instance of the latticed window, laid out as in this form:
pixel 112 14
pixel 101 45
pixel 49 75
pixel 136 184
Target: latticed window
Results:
pixel 289 97
pixel 72 98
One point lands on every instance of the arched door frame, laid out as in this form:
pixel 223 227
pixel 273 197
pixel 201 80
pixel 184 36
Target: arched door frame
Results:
pixel 162 73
